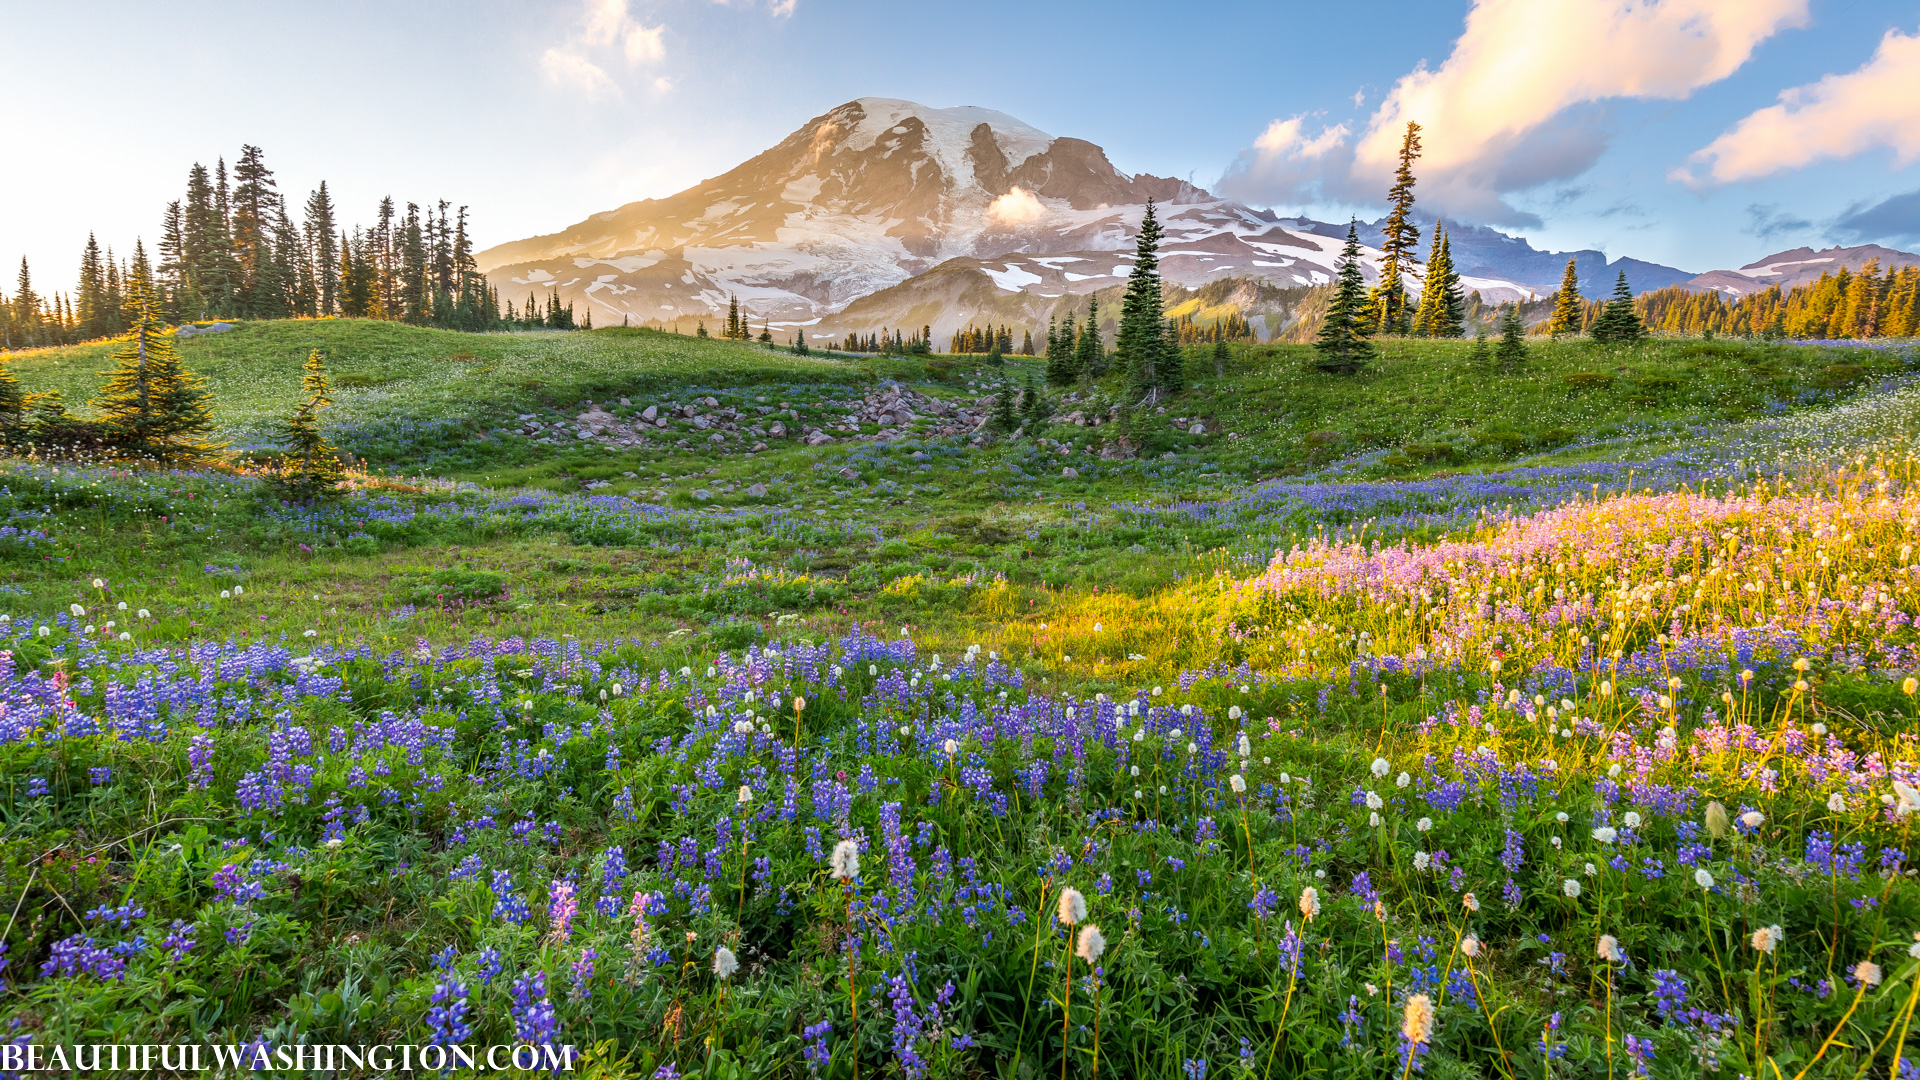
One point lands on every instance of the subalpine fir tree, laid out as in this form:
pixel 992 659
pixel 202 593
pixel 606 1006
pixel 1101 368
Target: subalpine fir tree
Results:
pixel 1391 314
pixel 1512 350
pixel 1004 417
pixel 1220 359
pixel 1618 323
pixel 312 469
pixel 1089 354
pixel 1142 344
pixel 1342 348
pixel 1441 305
pixel 150 405
pixel 1566 304
pixel 1481 357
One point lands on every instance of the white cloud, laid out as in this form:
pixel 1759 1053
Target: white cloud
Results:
pixel 1016 207
pixel 609 23
pixel 1875 105
pixel 607 32
pixel 663 84
pixel 1519 101
pixel 780 9
pixel 569 68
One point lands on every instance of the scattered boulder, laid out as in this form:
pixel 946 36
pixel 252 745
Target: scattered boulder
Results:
pixel 1070 473
pixel 702 495
pixel 758 491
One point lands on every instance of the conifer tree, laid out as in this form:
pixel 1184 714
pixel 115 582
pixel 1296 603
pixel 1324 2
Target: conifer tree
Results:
pixel 1390 314
pixel 1441 305
pixel 1481 357
pixel 1089 354
pixel 1220 355
pixel 1512 350
pixel 1142 344
pixel 1618 323
pixel 321 228
pixel 150 405
pixel 1342 348
pixel 1566 303
pixel 312 469
pixel 1003 414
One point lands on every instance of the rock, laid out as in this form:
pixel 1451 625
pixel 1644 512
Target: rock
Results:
pixel 819 438
pixel 1168 454
pixel 777 430
pixel 702 423
pixel 624 401
pixel 583 434
pixel 629 475
pixel 190 330
pixel 650 413
pixel 711 403
pixel 716 438
pixel 918 456
pixel 701 495
pixel 1197 429
pixel 759 446
pixel 660 423
pixel 758 491
pixel 849 474
pixel 1070 473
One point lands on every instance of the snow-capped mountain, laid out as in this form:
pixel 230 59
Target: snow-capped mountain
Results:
pixel 879 191
pixel 1801 266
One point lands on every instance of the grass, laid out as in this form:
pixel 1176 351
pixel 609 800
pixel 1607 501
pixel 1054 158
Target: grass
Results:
pixel 353 753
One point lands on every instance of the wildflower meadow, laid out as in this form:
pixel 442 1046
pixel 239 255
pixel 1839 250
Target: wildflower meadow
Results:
pixel 1599 765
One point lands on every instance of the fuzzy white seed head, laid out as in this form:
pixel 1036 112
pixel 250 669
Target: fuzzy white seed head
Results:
pixel 951 747
pixel 724 963
pixel 1246 748
pixel 1765 938
pixel 1425 824
pixel 1238 783
pixel 1073 906
pixel 746 795
pixel 1606 834
pixel 1836 803
pixel 1561 817
pixel 1608 949
pixel 1374 801
pixel 1380 766
pixel 1702 878
pixel 1909 798
pixel 1092 943
pixel 846 860
pixel 1309 903
pixel 1416 1023
pixel 1402 780
pixel 1422 860
pixel 1470 946
pixel 1373 820
pixel 1632 819
pixel 1868 973
pixel 1470 901
pixel 1753 819
pixel 1571 888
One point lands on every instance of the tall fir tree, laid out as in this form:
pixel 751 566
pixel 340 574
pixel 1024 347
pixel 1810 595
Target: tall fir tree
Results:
pixel 1391 314
pixel 321 229
pixel 1567 305
pixel 150 405
pixel 254 200
pixel 1142 345
pixel 311 470
pixel 1342 348
pixel 1618 323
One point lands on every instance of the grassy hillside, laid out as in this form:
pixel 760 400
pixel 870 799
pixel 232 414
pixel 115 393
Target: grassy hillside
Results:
pixel 388 372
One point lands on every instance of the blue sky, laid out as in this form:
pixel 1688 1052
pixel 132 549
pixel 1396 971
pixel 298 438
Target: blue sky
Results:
pixel 1643 128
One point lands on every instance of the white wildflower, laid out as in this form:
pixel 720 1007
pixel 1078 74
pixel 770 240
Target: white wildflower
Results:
pixel 1092 943
pixel 1073 906
pixel 724 963
pixel 846 860
pixel 1570 887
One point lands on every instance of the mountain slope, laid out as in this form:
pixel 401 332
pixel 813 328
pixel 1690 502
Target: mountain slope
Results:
pixel 878 191
pixel 1800 266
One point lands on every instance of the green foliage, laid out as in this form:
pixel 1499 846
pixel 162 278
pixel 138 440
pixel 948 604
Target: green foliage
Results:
pixel 1143 347
pixel 456 586
pixel 150 406
pixel 1388 312
pixel 1567 306
pixel 1342 349
pixel 1511 353
pixel 1618 323
pixel 311 470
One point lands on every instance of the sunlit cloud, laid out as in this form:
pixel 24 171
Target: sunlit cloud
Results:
pixel 1875 105
pixel 568 68
pixel 1518 103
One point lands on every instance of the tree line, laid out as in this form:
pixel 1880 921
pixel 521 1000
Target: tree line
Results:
pixel 230 248
pixel 1842 304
